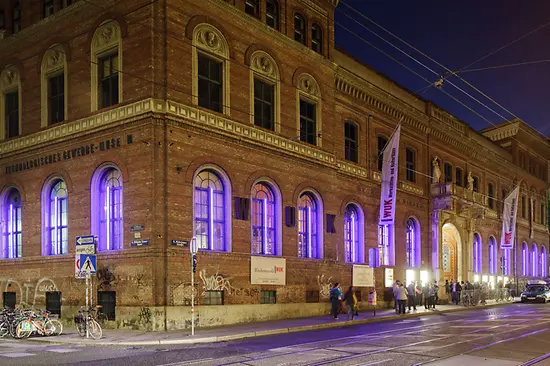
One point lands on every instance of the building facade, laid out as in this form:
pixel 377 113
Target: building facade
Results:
pixel 238 123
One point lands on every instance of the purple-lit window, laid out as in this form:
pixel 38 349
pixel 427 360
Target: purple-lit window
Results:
pixel 307 226
pixel 524 260
pixel 12 238
pixel 506 261
pixel 543 262
pixel 264 220
pixel 374 257
pixel 110 220
pixel 209 211
pixel 477 253
pixel 351 234
pixel 56 219
pixel 384 244
pixel 412 245
pixel 492 256
pixel 534 261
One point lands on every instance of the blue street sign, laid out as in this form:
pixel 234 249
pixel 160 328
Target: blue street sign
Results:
pixel 180 243
pixel 85 239
pixel 88 263
pixel 139 243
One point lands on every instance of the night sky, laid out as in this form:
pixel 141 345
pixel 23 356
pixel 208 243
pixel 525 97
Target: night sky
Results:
pixel 455 34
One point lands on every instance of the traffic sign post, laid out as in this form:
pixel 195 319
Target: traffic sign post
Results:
pixel 193 249
pixel 85 265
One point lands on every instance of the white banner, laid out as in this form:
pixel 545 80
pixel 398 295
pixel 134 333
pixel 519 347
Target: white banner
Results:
pixel 390 168
pixel 363 276
pixel 267 271
pixel 509 214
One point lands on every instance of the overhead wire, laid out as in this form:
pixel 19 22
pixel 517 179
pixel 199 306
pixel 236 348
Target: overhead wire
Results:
pixel 245 66
pixel 449 70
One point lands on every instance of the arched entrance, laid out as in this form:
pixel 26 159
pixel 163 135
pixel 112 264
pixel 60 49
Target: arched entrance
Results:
pixel 451 253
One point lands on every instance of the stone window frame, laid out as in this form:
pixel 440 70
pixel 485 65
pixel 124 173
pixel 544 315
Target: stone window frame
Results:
pixel 355 141
pixel 359 244
pixel 210 42
pixel 10 81
pixel 54 63
pixel 5 194
pixel 278 215
pixel 264 67
pixel 96 204
pixel 308 89
pixel 228 218
pixel 319 243
pixel 413 241
pixel 47 188
pixel 107 40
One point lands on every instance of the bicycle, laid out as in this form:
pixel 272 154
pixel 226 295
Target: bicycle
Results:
pixel 87 324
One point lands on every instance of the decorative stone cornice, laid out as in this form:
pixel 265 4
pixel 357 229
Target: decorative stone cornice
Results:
pixel 501 132
pixel 353 86
pixel 352 169
pixel 315 7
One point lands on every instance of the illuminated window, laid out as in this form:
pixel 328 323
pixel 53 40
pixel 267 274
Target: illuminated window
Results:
pixel 492 255
pixel 55 206
pixel 413 243
pixel 12 229
pixel 543 262
pixel 384 245
pixel 534 261
pixel 210 211
pixel 308 226
pixel 264 220
pixel 506 261
pixel 353 234
pixel 477 254
pixel 524 260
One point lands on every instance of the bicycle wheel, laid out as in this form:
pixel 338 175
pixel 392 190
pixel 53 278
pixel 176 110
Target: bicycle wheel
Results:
pixel 102 319
pixel 81 328
pixel 23 329
pixel 4 329
pixel 53 327
pixel 94 329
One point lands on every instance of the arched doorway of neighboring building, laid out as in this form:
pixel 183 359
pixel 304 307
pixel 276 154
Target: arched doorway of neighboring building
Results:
pixel 451 253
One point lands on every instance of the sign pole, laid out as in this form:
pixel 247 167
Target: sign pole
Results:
pixel 87 307
pixel 193 249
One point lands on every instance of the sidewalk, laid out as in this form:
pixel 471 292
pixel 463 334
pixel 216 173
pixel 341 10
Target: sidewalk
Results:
pixel 115 337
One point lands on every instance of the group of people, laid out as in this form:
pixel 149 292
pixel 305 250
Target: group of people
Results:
pixel 349 299
pixel 416 293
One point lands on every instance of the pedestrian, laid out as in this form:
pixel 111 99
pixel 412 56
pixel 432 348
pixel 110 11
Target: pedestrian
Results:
pixel 335 297
pixel 395 290
pixel 402 298
pixel 426 294
pixel 454 295
pixel 447 288
pixel 436 293
pixel 411 290
pixel 419 293
pixel 350 303
pixel 355 304
pixel 431 290
pixel 459 291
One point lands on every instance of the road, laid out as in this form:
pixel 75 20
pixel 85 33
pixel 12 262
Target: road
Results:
pixel 515 334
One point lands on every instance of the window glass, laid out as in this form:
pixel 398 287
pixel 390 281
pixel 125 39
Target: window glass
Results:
pixel 210 83
pixel 263 220
pixel 299 28
pixel 308 122
pixel 209 211
pixel 350 142
pixel 264 104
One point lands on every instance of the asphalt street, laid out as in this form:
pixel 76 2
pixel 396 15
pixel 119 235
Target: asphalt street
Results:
pixel 516 334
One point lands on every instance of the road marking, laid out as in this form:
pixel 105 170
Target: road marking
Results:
pixel 188 362
pixel 376 362
pixel 15 355
pixel 62 350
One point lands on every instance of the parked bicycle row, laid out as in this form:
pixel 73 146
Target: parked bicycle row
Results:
pixel 22 323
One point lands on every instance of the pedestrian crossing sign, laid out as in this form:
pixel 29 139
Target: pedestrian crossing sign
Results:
pixel 88 263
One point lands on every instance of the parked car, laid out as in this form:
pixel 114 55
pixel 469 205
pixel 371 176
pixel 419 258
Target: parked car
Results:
pixel 537 291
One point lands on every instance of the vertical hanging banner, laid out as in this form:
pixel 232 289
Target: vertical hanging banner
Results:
pixel 390 168
pixel 509 219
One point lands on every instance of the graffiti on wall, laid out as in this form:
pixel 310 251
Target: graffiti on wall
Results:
pixel 216 282
pixel 28 293
pixel 325 285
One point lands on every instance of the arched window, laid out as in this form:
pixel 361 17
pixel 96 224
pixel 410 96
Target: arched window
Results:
pixel 55 206
pixel 210 211
pixel 492 255
pixel 107 207
pixel 264 91
pixel 524 260
pixel 299 28
pixel 265 219
pixel 317 38
pixel 309 224
pixel 506 261
pixel 272 13
pixel 477 253
pixel 543 262
pixel 413 243
pixel 12 243
pixel 534 261
pixel 53 86
pixel 353 234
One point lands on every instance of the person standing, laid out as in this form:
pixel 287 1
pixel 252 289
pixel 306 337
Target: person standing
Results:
pixel 431 301
pixel 395 291
pixel 335 297
pixel 419 293
pixel 436 293
pixel 447 288
pixel 350 303
pixel 426 294
pixel 401 298
pixel 454 295
pixel 411 290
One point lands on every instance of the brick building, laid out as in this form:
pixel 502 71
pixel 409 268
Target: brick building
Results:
pixel 238 122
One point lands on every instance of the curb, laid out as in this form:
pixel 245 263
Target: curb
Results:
pixel 260 333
